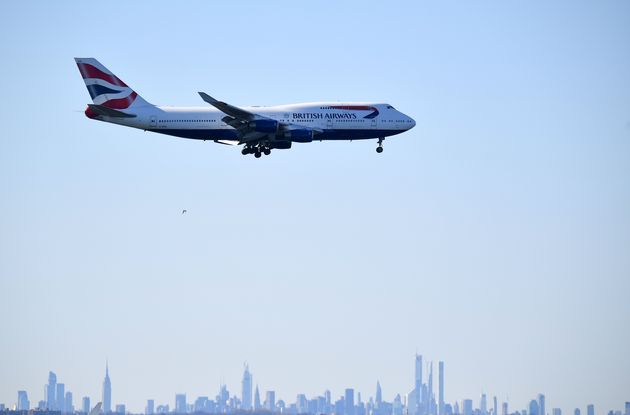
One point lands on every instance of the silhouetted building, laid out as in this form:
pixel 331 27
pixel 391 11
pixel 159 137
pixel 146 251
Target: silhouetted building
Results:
pixel 533 407
pixel 107 391
pixel 200 404
pixel 121 409
pixel 627 408
pixel 85 405
pixel 68 405
pixel 556 411
pixel 270 401
pixel 590 409
pixel 180 403
pixel 51 390
pixel 150 409
pixel 441 388
pixel 246 397
pixel 349 402
pixel 60 398
pixel 577 411
pixel 541 404
pixel 257 406
pixel 23 403
pixel 301 404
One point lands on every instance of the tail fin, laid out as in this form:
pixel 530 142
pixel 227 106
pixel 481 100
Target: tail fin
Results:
pixel 105 88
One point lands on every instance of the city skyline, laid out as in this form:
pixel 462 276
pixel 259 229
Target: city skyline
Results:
pixel 492 236
pixel 422 399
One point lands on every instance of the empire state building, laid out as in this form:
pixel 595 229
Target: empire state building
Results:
pixel 107 392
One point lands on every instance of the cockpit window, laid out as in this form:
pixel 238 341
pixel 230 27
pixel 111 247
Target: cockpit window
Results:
pixel 389 107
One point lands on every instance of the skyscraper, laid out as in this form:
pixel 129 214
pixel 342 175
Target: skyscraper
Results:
pixel 627 408
pixel 533 407
pixel 379 396
pixel 180 403
pixel 60 398
pixel 441 389
pixel 467 407
pixel 415 397
pixel 68 403
pixel 504 409
pixel 270 401
pixel 495 407
pixel 577 411
pixel 107 391
pixel 418 373
pixel 429 396
pixel 257 406
pixel 51 390
pixel 85 407
pixel 590 409
pixel 150 409
pixel 349 402
pixel 541 404
pixel 23 403
pixel 246 397
pixel 483 404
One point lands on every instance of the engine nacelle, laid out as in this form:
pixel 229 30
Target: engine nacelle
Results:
pixel 299 136
pixel 280 144
pixel 264 126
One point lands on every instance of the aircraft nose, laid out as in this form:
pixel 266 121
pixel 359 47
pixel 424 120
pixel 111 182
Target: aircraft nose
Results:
pixel 412 123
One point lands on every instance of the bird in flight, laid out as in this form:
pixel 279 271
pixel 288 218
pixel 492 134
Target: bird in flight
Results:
pixel 184 211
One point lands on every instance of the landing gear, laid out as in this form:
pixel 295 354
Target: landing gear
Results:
pixel 257 150
pixel 379 149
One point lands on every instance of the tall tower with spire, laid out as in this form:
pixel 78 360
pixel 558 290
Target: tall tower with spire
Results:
pixel 107 391
pixel 246 397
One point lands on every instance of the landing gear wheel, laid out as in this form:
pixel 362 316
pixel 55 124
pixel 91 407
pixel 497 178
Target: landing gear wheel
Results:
pixel 257 154
pixel 267 151
pixel 245 151
pixel 379 149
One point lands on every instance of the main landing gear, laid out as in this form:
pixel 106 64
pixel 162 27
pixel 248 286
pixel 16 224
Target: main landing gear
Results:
pixel 257 150
pixel 379 149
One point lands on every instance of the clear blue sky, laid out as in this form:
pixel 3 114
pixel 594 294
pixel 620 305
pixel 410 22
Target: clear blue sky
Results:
pixel 495 235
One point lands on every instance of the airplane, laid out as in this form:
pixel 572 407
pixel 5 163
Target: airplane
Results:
pixel 258 129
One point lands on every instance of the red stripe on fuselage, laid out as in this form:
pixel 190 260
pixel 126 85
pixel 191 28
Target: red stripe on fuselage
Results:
pixel 353 107
pixel 89 71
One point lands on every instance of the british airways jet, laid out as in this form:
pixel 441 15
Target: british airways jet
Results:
pixel 258 129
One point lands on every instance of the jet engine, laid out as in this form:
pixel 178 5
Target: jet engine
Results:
pixel 264 126
pixel 299 136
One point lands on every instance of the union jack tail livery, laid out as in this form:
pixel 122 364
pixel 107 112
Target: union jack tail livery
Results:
pixel 108 92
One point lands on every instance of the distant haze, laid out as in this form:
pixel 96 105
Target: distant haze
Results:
pixel 494 236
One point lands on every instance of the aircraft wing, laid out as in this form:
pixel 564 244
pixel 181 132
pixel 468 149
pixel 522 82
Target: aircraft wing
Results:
pixel 231 110
pixel 244 121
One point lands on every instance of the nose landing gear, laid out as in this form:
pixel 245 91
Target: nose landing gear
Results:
pixel 379 149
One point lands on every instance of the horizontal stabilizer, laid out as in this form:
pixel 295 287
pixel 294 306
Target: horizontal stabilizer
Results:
pixel 103 110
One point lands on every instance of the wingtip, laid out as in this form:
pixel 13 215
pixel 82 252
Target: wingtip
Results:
pixel 206 97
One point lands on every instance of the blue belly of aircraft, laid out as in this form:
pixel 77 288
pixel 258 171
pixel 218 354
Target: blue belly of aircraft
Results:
pixel 230 134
